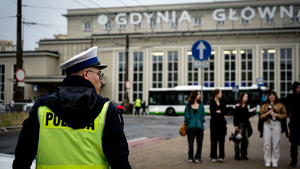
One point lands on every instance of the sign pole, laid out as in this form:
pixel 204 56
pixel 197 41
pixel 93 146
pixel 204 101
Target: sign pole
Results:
pixel 202 81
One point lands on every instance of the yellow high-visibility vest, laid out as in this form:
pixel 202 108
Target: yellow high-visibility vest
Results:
pixel 62 147
pixel 138 103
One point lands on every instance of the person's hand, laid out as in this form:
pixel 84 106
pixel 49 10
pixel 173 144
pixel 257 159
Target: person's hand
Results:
pixel 236 128
pixel 274 114
pixel 218 111
pixel 269 112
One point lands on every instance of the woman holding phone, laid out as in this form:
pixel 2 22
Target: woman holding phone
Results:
pixel 272 111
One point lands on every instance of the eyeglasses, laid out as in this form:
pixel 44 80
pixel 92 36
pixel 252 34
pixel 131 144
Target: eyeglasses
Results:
pixel 101 75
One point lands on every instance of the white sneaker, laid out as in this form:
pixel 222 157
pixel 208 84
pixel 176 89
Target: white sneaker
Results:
pixel 267 165
pixel 190 161
pixel 274 165
pixel 213 160
pixel 220 160
pixel 197 161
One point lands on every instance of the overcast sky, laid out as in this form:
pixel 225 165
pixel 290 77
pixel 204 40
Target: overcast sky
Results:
pixel 50 12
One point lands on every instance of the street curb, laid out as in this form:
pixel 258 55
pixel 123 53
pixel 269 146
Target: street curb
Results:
pixel 9 132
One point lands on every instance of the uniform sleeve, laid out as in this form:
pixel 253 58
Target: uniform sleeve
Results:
pixel 114 142
pixel 27 145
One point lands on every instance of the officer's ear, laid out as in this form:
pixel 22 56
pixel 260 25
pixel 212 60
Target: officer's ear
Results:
pixel 85 74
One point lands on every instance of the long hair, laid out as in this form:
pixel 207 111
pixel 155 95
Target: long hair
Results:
pixel 193 96
pixel 240 100
pixel 214 94
pixel 276 97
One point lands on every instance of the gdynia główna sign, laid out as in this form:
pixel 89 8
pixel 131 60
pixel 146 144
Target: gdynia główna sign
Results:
pixel 247 13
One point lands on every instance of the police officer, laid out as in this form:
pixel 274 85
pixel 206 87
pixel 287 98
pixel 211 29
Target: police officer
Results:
pixel 74 127
pixel 137 106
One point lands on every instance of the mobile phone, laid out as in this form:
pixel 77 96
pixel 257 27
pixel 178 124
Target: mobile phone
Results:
pixel 252 109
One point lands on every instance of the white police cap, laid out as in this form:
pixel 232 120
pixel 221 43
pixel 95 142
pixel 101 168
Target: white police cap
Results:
pixel 82 60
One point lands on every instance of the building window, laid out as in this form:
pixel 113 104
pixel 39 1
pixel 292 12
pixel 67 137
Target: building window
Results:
pixel 230 69
pixel 138 75
pixel 122 66
pixel 247 68
pixel 175 24
pixel 220 23
pixel 269 68
pixel 244 21
pixel 122 26
pixel 153 23
pixel 209 72
pixel 285 71
pixel 108 26
pixel 197 21
pixel 157 66
pixel 2 81
pixel 137 26
pixel 87 26
pixel 172 68
pixel 192 72
pixel 295 18
pixel 268 19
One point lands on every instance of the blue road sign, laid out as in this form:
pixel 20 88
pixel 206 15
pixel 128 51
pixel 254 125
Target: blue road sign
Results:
pixel 235 89
pixel 260 81
pixel 201 50
pixel 35 88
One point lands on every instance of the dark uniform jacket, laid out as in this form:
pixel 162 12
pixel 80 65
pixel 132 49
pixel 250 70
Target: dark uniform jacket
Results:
pixel 76 103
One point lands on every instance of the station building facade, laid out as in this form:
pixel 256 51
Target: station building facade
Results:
pixel 249 39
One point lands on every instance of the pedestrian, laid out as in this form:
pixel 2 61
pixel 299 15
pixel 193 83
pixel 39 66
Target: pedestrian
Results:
pixel 293 101
pixel 242 126
pixel 74 127
pixel 194 117
pixel 218 129
pixel 137 106
pixel 11 105
pixel 144 107
pixel 271 112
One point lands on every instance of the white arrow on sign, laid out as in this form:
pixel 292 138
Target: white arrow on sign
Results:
pixel 201 47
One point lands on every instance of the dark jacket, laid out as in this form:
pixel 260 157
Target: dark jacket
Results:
pixel 77 104
pixel 217 121
pixel 242 115
pixel 194 121
pixel 293 101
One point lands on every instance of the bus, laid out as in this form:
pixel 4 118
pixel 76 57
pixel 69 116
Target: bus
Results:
pixel 172 101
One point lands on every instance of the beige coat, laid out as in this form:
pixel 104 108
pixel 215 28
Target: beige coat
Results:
pixel 279 109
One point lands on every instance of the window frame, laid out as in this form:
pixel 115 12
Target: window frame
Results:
pixel 138 92
pixel 246 70
pixel 85 28
pixel 173 82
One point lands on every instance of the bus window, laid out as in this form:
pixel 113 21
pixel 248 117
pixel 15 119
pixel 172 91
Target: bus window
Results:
pixel 229 97
pixel 156 98
pixel 171 98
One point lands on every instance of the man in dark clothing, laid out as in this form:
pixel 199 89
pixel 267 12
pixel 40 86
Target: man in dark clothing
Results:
pixel 293 101
pixel 77 104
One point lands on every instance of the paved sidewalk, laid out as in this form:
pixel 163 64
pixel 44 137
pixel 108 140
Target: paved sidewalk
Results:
pixel 173 153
